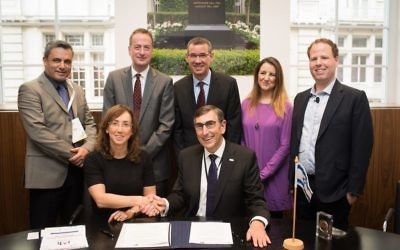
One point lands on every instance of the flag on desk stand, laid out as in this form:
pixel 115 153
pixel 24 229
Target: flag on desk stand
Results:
pixel 300 179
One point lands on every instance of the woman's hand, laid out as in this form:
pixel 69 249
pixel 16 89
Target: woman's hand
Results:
pixel 123 215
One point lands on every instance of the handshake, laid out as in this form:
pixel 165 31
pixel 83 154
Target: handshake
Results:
pixel 150 205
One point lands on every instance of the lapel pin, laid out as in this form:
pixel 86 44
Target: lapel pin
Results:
pixel 230 159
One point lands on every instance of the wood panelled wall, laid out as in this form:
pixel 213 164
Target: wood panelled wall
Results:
pixel 369 211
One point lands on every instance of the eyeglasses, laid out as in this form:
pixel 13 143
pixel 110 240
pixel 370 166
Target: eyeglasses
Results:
pixel 209 125
pixel 201 56
pixel 116 125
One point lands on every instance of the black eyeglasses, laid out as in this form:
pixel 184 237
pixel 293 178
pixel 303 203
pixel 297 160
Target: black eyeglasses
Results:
pixel 209 125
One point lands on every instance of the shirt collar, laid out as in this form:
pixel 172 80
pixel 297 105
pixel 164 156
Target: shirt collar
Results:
pixel 219 152
pixel 142 74
pixel 206 79
pixel 327 90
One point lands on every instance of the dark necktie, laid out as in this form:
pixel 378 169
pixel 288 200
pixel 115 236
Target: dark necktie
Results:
pixel 212 180
pixel 62 91
pixel 201 98
pixel 137 98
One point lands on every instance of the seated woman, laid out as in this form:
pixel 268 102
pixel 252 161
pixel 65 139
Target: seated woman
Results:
pixel 119 174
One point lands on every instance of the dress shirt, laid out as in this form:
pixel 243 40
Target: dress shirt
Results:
pixel 206 85
pixel 143 77
pixel 312 121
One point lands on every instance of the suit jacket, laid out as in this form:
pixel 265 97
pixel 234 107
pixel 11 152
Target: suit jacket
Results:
pixel 156 117
pixel 239 189
pixel 223 93
pixel 344 142
pixel 49 131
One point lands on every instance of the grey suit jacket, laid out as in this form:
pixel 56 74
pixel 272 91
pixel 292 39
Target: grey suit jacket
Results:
pixel 344 142
pixel 223 93
pixel 156 117
pixel 239 188
pixel 49 131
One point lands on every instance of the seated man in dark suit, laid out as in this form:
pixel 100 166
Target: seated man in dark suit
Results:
pixel 217 179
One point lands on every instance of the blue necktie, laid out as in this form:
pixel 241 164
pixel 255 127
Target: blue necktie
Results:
pixel 212 180
pixel 62 91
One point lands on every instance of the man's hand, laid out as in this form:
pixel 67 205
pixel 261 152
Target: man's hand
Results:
pixel 257 233
pixel 351 199
pixel 79 157
pixel 154 208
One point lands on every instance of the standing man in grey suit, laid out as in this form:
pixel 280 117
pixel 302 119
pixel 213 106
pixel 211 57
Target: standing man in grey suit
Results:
pixel 60 133
pixel 204 86
pixel 217 179
pixel 149 93
pixel 332 136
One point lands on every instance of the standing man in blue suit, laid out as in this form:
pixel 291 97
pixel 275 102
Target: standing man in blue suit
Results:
pixel 154 111
pixel 204 86
pixel 52 110
pixel 332 136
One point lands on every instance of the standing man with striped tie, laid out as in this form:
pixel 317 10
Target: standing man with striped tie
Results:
pixel 149 93
pixel 204 86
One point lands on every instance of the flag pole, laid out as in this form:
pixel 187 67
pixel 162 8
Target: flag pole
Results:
pixel 293 243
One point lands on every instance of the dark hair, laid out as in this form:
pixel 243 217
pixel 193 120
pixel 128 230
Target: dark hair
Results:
pixel 103 138
pixel 140 31
pixel 199 40
pixel 56 44
pixel 335 50
pixel 279 95
pixel 207 108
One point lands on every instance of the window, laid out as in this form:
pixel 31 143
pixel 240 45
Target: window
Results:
pixel 378 42
pixel 48 38
pixel 98 74
pixel 78 71
pixel 340 41
pixel 97 39
pixel 340 68
pixel 378 68
pixel 358 73
pixel 75 39
pixel 359 42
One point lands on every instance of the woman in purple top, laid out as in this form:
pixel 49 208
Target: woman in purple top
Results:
pixel 267 118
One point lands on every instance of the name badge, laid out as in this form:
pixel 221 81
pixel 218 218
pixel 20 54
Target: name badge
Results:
pixel 78 133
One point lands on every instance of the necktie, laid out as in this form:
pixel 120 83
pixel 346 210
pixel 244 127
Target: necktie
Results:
pixel 201 98
pixel 62 91
pixel 137 98
pixel 211 185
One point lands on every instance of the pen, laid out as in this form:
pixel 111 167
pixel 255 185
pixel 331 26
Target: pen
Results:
pixel 108 233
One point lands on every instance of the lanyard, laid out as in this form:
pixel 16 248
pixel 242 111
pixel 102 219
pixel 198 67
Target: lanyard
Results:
pixel 71 99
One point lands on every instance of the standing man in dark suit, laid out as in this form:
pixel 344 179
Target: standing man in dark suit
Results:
pixel 332 136
pixel 218 179
pixel 204 86
pixel 149 93
pixel 60 133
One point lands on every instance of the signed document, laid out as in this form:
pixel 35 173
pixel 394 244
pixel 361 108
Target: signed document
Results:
pixel 210 233
pixel 140 235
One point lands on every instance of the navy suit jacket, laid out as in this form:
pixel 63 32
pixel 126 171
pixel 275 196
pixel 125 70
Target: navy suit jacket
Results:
pixel 344 143
pixel 239 188
pixel 223 93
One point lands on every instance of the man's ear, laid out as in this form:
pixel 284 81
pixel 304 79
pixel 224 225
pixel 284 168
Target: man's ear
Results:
pixel 223 126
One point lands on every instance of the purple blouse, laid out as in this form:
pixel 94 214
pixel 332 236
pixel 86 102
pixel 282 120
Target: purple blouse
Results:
pixel 269 137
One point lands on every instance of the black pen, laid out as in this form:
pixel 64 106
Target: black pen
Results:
pixel 108 233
